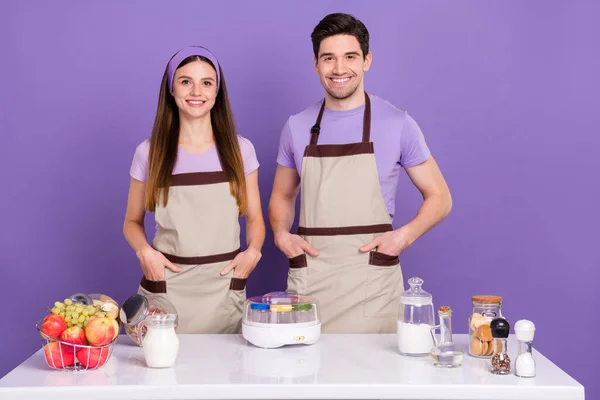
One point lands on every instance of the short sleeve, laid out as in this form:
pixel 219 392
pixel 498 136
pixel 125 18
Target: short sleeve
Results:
pixel 139 165
pixel 248 155
pixel 413 148
pixel 285 155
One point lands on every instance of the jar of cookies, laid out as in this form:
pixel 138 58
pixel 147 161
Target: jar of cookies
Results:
pixel 485 309
pixel 136 310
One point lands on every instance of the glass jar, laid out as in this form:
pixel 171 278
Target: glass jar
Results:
pixel 415 320
pixel 160 343
pixel 485 309
pixel 137 308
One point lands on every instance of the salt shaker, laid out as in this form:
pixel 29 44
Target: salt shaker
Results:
pixel 500 360
pixel 525 364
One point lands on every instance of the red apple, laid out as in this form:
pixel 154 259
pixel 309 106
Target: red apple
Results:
pixel 93 357
pixel 117 327
pixel 53 325
pixel 73 335
pixel 99 331
pixel 58 356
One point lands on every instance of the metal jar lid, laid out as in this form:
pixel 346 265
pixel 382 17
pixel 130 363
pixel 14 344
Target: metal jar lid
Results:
pixel 134 309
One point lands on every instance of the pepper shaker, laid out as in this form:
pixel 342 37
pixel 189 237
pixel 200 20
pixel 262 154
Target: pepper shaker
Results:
pixel 500 360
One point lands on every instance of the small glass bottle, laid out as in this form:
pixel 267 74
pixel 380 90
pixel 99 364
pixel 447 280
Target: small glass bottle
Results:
pixel 500 360
pixel 445 353
pixel 525 364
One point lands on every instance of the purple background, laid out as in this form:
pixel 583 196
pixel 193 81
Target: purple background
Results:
pixel 506 95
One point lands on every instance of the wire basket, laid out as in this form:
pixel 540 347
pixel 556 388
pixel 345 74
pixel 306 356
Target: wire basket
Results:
pixel 73 357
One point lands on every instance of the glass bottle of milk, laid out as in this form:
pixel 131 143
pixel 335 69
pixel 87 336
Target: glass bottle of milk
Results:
pixel 160 344
pixel 415 320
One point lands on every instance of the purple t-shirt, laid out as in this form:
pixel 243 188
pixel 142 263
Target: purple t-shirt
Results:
pixel 396 137
pixel 190 162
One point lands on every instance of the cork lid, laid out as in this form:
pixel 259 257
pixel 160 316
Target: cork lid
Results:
pixel 444 310
pixel 486 299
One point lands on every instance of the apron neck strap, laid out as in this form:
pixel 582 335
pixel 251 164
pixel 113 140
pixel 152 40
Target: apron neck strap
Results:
pixel 315 130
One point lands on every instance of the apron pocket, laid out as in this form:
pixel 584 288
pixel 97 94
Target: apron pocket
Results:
pixel 383 260
pixel 154 286
pixel 298 261
pixel 237 284
pixel 383 288
pixel 236 297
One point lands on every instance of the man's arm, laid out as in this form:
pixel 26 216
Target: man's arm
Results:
pixel 281 213
pixel 437 203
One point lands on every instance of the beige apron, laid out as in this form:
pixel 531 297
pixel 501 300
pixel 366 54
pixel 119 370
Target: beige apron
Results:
pixel 341 210
pixel 199 231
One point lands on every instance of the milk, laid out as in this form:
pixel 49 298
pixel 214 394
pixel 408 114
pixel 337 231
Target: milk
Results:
pixel 161 347
pixel 414 339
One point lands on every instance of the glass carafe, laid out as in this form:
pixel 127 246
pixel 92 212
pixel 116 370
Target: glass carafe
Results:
pixel 160 343
pixel 446 353
pixel 415 320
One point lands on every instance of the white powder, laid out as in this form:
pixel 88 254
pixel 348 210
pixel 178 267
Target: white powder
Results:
pixel 525 365
pixel 414 339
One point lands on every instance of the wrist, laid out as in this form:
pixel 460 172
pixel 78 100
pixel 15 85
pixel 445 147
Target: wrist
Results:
pixel 143 248
pixel 407 235
pixel 253 250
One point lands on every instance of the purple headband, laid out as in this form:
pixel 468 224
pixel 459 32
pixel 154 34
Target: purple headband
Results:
pixel 187 52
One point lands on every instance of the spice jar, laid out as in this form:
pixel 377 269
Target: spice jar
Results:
pixel 485 309
pixel 137 308
pixel 500 361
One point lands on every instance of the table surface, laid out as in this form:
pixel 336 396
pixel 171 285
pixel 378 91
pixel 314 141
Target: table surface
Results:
pixel 336 367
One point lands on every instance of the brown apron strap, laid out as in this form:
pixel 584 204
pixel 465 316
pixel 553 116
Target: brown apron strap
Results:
pixel 314 131
pixel 316 128
pixel 202 259
pixel 367 120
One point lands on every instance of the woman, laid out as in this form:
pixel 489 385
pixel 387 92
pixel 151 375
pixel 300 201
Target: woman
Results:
pixel 198 176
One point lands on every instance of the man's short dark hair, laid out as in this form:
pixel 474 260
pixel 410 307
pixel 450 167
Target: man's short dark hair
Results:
pixel 340 24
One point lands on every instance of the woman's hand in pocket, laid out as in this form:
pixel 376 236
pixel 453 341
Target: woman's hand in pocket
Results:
pixel 243 264
pixel 153 264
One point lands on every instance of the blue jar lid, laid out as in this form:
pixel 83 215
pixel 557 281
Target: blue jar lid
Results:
pixel 259 306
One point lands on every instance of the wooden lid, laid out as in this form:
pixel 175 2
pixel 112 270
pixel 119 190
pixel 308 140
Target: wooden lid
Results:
pixel 486 299
pixel 445 310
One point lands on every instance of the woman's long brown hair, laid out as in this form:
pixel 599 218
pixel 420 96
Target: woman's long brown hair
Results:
pixel 165 139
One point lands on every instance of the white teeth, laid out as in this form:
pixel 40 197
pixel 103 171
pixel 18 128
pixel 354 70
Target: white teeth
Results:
pixel 195 103
pixel 342 80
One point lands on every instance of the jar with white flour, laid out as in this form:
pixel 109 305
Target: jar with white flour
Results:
pixel 415 320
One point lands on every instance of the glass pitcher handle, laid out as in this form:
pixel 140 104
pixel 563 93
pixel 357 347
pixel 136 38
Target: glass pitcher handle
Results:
pixel 432 331
pixel 142 331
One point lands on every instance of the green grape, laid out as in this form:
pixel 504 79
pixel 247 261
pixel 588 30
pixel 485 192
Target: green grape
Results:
pixel 68 302
pixel 99 314
pixel 85 312
pixel 70 308
pixel 62 314
pixel 80 325
pixel 78 309
pixel 86 322
pixel 81 318
pixel 74 316
pixel 67 319
pixel 58 304
pixel 54 310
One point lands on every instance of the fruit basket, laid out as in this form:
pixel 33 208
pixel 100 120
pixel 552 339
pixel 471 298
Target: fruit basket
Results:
pixel 79 335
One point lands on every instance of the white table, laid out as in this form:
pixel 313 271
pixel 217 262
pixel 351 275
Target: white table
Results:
pixel 336 367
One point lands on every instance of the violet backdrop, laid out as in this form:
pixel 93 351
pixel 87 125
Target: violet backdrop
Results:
pixel 505 93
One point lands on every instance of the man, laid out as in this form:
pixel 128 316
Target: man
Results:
pixel 346 153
